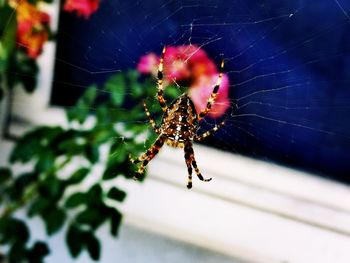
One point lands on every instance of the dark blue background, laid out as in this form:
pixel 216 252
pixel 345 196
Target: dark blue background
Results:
pixel 303 60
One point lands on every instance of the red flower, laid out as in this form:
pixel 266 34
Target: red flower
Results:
pixel 82 7
pixel 191 65
pixel 32 29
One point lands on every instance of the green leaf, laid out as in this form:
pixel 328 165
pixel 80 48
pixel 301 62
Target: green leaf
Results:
pixel 74 240
pixel 72 146
pixel 115 218
pixel 79 113
pixel 92 217
pixel 90 94
pixel 21 183
pixel 13 230
pixel 93 245
pixel 172 92
pixel 78 176
pixel 26 70
pixel 116 194
pixel 45 161
pixel 111 170
pixel 94 214
pixel 92 153
pixel 75 200
pixel 102 134
pixel 136 90
pixel 17 252
pixel 70 142
pixel 95 194
pixel 38 252
pixel 118 157
pixel 107 115
pixel 114 169
pixel 150 87
pixel 35 143
pixel 135 86
pixel 8 27
pixel 52 188
pixel 118 151
pixel 116 85
pixel 25 150
pixel 5 230
pixel 48 134
pixel 81 110
pixel 5 174
pixel 54 219
pixel 38 206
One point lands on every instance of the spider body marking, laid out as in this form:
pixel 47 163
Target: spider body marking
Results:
pixel 180 122
pixel 179 126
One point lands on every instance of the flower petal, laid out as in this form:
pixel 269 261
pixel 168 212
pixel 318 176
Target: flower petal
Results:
pixel 83 8
pixel 201 90
pixel 148 64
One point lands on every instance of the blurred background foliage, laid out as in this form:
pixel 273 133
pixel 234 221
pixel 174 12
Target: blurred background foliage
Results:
pixel 106 125
pixel 77 201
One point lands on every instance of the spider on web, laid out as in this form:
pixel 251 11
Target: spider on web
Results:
pixel 179 126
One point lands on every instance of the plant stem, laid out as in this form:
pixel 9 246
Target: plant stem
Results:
pixel 6 134
pixel 28 195
pixel 30 192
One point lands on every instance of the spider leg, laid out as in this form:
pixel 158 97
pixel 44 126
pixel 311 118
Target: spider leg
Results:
pixel 160 82
pixel 151 120
pixel 139 159
pixel 142 157
pixel 208 133
pixel 213 95
pixel 149 155
pixel 154 126
pixel 189 149
pixel 189 165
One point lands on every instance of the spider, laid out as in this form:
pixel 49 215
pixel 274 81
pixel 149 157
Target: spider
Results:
pixel 179 126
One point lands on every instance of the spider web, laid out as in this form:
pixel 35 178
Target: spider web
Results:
pixel 287 62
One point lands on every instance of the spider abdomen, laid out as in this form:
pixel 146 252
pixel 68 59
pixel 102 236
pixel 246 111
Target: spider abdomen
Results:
pixel 180 122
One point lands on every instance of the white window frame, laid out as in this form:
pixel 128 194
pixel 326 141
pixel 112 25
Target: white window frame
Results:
pixel 253 210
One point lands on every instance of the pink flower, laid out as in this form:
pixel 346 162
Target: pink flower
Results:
pixel 190 65
pixel 201 90
pixel 148 64
pixel 184 63
pixel 175 64
pixel 82 7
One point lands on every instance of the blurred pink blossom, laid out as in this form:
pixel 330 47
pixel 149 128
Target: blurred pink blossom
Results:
pixel 187 63
pixel 201 90
pixel 175 64
pixel 148 64
pixel 191 65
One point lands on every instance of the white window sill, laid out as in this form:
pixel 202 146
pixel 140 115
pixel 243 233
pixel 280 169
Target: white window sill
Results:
pixel 251 210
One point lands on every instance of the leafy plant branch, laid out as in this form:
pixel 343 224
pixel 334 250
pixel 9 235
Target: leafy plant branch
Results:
pixel 58 198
